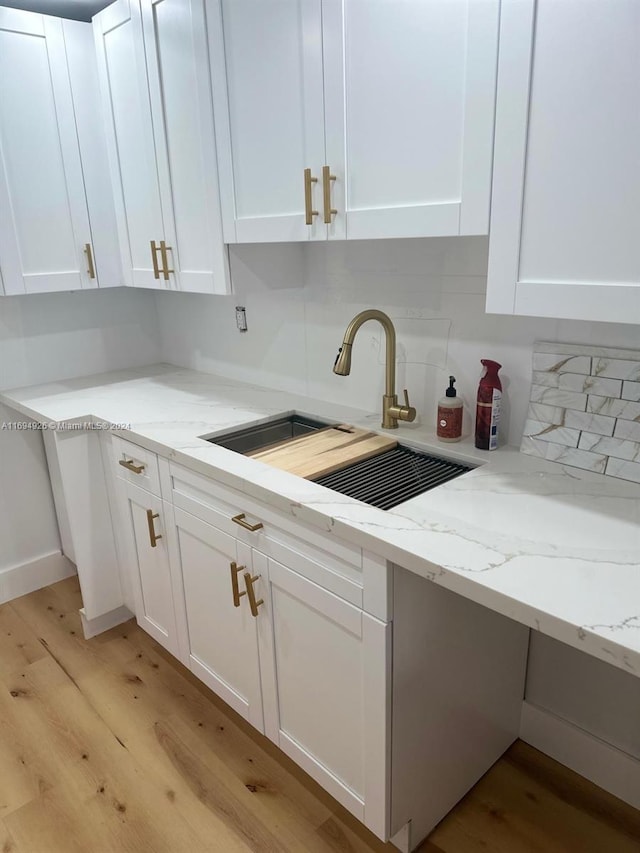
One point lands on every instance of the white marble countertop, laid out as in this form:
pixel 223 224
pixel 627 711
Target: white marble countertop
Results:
pixel 553 547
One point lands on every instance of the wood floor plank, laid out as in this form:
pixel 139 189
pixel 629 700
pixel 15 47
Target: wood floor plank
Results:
pixel 97 781
pixel 8 844
pixel 23 775
pixel 7 841
pixel 563 784
pixel 112 745
pixel 516 813
pixel 19 645
pixel 163 693
pixel 289 800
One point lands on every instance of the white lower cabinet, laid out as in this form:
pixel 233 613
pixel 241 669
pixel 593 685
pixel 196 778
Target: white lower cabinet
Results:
pixel 145 519
pixel 325 681
pixel 222 635
pixel 396 715
pixel 296 661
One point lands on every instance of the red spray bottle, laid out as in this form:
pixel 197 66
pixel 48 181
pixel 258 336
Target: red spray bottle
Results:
pixel 489 406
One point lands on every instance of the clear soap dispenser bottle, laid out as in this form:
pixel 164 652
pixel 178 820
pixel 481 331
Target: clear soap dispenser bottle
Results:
pixel 449 426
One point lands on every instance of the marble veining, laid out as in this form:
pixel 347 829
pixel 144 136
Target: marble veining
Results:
pixel 584 400
pixel 550 544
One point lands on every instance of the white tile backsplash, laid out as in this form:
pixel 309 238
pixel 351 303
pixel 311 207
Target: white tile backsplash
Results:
pixel 558 397
pixel 614 408
pixel 561 363
pixel 605 437
pixel 631 391
pixel 623 469
pixel 578 382
pixel 554 433
pixel 300 297
pixel 627 429
pixel 587 421
pixel 616 368
pixel 616 447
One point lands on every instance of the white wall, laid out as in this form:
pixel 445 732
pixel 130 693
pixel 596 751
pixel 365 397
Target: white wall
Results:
pixel 52 336
pixel 299 299
pixel 49 337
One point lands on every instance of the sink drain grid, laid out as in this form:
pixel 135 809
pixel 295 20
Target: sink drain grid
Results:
pixel 392 477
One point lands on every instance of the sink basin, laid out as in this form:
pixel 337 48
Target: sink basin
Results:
pixel 258 437
pixel 392 477
pixel 384 481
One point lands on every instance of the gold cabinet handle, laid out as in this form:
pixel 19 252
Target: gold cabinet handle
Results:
pixel 130 465
pixel 235 571
pixel 153 536
pixel 327 177
pixel 308 200
pixel 154 259
pixel 239 519
pixel 253 604
pixel 165 260
pixel 90 267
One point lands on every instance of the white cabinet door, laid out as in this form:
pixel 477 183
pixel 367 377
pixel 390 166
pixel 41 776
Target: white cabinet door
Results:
pixel 146 521
pixel 127 117
pixel 566 192
pixel 44 223
pixel 270 119
pixel 410 90
pixel 175 40
pixel 222 633
pixel 326 687
pixel 83 73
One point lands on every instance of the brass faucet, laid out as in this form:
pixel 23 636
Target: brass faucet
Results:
pixel 391 411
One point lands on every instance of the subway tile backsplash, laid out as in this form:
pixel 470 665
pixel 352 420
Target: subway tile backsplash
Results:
pixel 585 408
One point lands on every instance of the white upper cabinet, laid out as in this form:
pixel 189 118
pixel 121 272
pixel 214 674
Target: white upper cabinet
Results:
pixel 566 194
pixel 270 119
pixel 154 79
pixel 127 115
pixel 354 119
pixel 409 105
pixel 45 226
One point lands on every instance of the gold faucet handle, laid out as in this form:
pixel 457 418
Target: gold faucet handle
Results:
pixel 406 412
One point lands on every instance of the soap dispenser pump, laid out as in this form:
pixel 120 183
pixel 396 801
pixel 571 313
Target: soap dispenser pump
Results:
pixel 450 408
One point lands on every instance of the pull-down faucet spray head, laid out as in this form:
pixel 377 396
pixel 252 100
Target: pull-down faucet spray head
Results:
pixel 342 364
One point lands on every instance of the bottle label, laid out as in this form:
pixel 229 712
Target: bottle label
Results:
pixel 496 411
pixel 488 421
pixel 449 422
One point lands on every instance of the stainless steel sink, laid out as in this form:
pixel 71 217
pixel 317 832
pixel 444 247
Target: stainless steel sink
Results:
pixel 392 477
pixel 256 437
pixel 383 481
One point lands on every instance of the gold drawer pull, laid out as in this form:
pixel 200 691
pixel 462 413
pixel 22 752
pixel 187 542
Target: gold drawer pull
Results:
pixel 154 258
pixel 327 177
pixel 309 212
pixel 237 595
pixel 239 519
pixel 253 604
pixel 91 270
pixel 130 465
pixel 165 260
pixel 153 536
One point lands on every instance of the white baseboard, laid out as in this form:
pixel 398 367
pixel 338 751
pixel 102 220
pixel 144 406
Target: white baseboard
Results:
pixel 20 580
pixel 99 624
pixel 604 765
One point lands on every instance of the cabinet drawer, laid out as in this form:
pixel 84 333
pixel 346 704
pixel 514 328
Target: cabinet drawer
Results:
pixel 136 465
pixel 329 562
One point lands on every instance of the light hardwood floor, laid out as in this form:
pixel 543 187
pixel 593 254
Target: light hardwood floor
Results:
pixel 110 745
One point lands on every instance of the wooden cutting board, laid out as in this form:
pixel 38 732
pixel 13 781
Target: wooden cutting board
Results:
pixel 324 451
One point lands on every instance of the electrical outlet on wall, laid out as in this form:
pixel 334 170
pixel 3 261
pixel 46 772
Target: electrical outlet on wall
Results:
pixel 241 318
